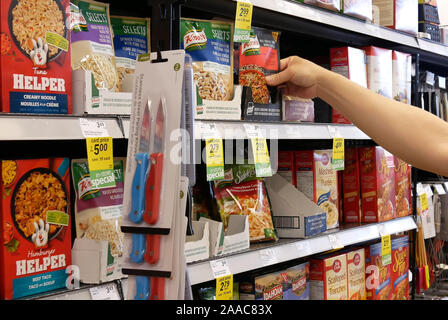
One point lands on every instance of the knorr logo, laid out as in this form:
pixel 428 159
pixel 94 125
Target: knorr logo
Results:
pixel 252 47
pixel 195 38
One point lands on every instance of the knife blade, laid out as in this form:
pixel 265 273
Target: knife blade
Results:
pixel 154 186
pixel 143 285
pixel 142 169
pixel 138 247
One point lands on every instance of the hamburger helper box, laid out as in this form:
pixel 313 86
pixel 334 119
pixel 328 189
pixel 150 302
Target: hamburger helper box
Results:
pixel 379 70
pixel 377 170
pixel 286 166
pixel 403 188
pixel 398 14
pixel 317 180
pixel 401 76
pixel 351 187
pixel 268 285
pixel 35 57
pixel 378 277
pixel 328 277
pixel 400 268
pixel 297 282
pixel 35 223
pixel 350 63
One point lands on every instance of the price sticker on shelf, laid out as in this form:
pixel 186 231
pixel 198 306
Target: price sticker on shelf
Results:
pixel 338 154
pixel 439 188
pixel 93 128
pixel 105 292
pixel 224 288
pixel 220 268
pixel 386 252
pixel 214 152
pixel 335 242
pixel 423 202
pixel 382 230
pixel 268 257
pixel 243 21
pixel 101 163
pixel 259 150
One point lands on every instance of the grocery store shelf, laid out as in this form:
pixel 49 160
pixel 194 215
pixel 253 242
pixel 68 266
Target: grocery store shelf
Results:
pixel 21 127
pixel 281 130
pixel 83 292
pixel 288 249
pixel 320 23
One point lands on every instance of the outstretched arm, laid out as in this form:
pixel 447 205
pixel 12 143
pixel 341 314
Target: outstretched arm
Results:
pixel 414 135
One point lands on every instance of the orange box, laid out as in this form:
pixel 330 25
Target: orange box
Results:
pixel 328 277
pixel 378 277
pixel 35 223
pixel 356 274
pixel 403 180
pixel 35 62
pixel 400 268
pixel 377 171
pixel 351 187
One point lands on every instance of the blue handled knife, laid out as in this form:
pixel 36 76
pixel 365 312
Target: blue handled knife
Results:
pixel 142 169
pixel 138 247
pixel 143 285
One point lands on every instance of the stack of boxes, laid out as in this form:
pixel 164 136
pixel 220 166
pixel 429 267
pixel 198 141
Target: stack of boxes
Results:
pixel 428 19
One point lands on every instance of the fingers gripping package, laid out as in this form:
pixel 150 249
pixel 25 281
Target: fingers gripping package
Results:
pixel 35 223
pixel 35 56
pixel 258 58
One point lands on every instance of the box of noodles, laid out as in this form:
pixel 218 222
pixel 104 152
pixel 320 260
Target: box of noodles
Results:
pixel 242 193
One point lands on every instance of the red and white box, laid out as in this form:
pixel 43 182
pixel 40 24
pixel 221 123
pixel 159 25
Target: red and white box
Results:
pixel 401 76
pixel 377 171
pixel 356 274
pixel 400 268
pixel 351 187
pixel 286 166
pixel 403 180
pixel 398 14
pixel 328 277
pixel 319 182
pixel 35 62
pixel 379 70
pixel 378 276
pixel 350 63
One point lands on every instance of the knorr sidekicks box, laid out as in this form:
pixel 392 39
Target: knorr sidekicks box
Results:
pixel 35 223
pixel 35 57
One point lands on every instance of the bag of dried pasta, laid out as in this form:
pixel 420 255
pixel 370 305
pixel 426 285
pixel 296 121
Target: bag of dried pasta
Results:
pixel 258 58
pixel 242 193
pixel 92 42
pixel 210 45
pixel 98 212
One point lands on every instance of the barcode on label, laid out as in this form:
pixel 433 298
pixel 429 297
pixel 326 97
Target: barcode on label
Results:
pixel 287 222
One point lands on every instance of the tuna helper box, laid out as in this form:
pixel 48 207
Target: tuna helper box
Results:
pixel 351 63
pixel 35 57
pixel 377 169
pixel 35 223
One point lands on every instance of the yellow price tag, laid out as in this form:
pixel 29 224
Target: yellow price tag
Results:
pixel 338 154
pixel 243 21
pixel 100 153
pixel 260 148
pixel 386 251
pixel 224 288
pixel 424 202
pixel 214 159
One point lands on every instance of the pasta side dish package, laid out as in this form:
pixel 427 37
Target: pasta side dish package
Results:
pixel 377 171
pixel 356 273
pixel 92 43
pixel 402 76
pixel 286 166
pixel 210 44
pixel 35 57
pixel 35 223
pixel 240 192
pixel 319 182
pixel 297 282
pixel 98 212
pixel 258 58
pixel 131 39
pixel 403 188
pixel 400 268
pixel 379 70
pixel 378 276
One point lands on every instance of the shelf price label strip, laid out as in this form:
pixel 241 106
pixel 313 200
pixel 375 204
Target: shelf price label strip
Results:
pixel 243 21
pixel 224 279
pixel 260 151
pixel 99 153
pixel 214 152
